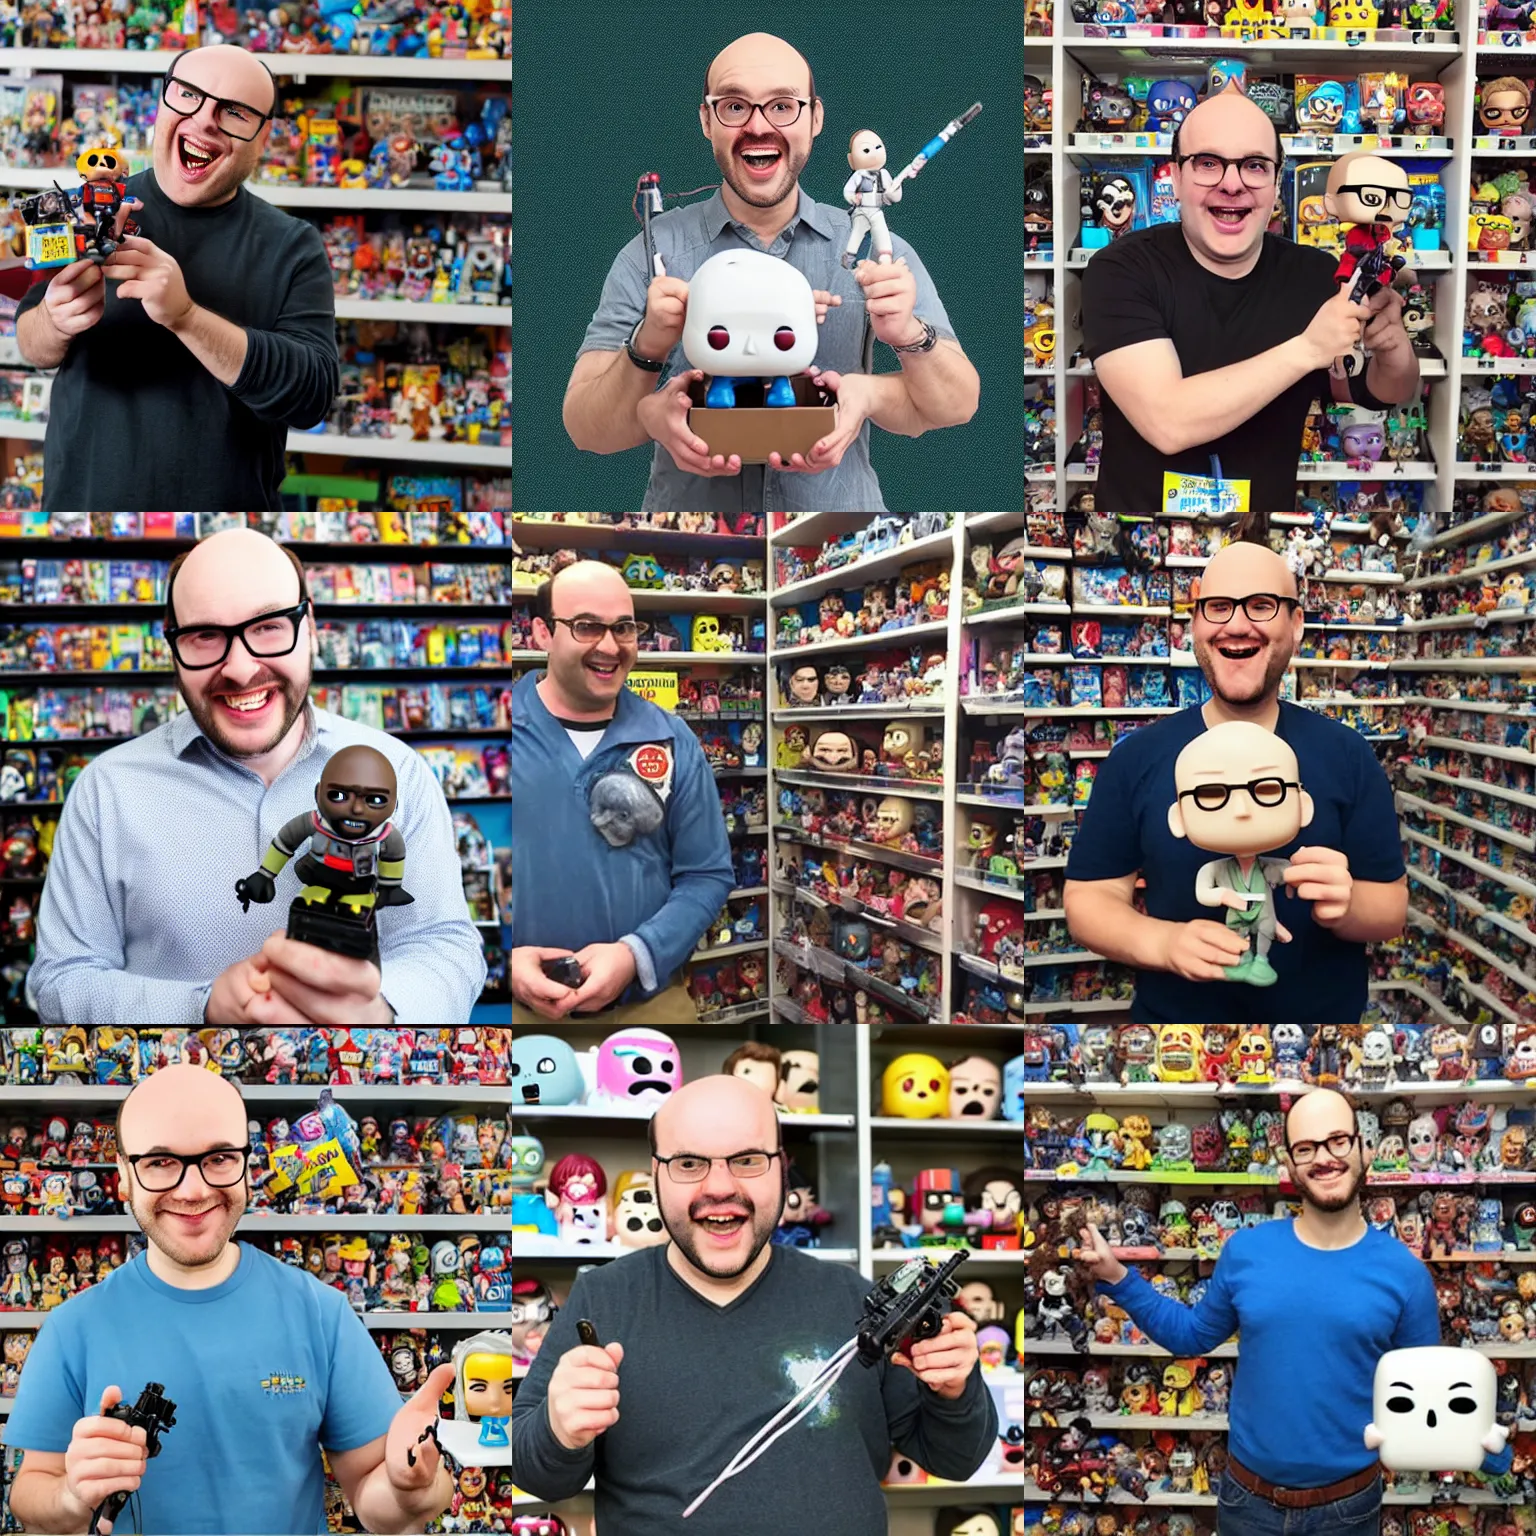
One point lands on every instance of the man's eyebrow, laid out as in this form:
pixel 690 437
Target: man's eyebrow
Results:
pixel 774 91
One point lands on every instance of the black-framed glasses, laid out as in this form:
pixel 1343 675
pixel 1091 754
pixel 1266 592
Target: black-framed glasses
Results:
pixel 235 118
pixel 200 646
pixel 733 111
pixel 693 1168
pixel 590 631
pixel 1338 1145
pixel 1268 792
pixel 1211 170
pixel 1514 114
pixel 1260 607
pixel 160 1172
pixel 1378 197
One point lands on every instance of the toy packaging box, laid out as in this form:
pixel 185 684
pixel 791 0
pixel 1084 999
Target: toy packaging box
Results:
pixel 754 432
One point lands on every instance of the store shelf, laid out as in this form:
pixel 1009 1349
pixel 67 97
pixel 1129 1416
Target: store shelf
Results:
pixel 406 312
pixel 859 572
pixel 401 449
pixel 287 66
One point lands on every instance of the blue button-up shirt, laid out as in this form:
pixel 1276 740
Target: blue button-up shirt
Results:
pixel 813 242
pixel 139 913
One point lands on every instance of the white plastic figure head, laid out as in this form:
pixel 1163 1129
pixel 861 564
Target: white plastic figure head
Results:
pixel 1433 1410
pixel 749 316
pixel 866 152
pixel 1362 189
pixel 1238 791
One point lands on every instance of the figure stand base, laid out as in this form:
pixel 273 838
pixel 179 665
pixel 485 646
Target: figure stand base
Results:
pixel 358 938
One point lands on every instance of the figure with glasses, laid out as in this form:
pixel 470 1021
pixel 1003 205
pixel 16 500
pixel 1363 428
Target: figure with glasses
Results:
pixel 621 860
pixel 701 1340
pixel 1317 1297
pixel 191 344
pixel 1225 777
pixel 761 116
pixel 1212 337
pixel 1371 197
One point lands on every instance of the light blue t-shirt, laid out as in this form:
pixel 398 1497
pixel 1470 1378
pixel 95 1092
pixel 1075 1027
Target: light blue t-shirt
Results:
pixel 264 1370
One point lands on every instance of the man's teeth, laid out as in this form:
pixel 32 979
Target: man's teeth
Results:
pixel 195 155
pixel 760 157
pixel 247 701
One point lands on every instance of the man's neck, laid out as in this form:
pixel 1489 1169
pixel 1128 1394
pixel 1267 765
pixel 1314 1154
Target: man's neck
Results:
pixel 202 1277
pixel 270 765
pixel 717 1291
pixel 766 223
pixel 1330 1229
pixel 561 706
pixel 1266 712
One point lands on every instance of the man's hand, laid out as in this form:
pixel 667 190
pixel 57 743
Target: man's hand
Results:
pixel 75 297
pixel 944 1362
pixel 144 272
pixel 1321 876
pixel 890 292
pixel 1384 333
pixel 610 968
pixel 1334 330
pixel 533 989
pixel 854 401
pixel 1201 950
pixel 824 302
pixel 666 308
pixel 583 1396
pixel 1098 1258
pixel 242 994
pixel 411 1457
pixel 326 988
pixel 663 416
pixel 105 1456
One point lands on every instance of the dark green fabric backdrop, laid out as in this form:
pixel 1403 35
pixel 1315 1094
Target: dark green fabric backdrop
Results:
pixel 603 93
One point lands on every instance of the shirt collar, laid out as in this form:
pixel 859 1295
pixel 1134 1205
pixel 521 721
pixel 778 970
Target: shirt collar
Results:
pixel 814 215
pixel 185 730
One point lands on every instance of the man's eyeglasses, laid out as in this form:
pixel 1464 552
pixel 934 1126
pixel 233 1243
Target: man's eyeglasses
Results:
pixel 1260 607
pixel 160 1172
pixel 1266 792
pixel 590 631
pixel 690 1168
pixel 200 646
pixel 1378 197
pixel 1211 170
pixel 232 117
pixel 733 111
pixel 1338 1145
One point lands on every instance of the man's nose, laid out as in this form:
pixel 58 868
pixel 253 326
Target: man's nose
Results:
pixel 1231 179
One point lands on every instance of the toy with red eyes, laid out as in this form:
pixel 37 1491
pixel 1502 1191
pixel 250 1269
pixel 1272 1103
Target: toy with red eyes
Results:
pixel 915 1087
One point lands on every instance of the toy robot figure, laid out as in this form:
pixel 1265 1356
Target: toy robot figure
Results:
pixel 869 191
pixel 356 855
pixel 1371 198
pixel 100 197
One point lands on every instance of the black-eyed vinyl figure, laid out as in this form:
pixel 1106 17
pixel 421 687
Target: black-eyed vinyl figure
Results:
pixel 356 858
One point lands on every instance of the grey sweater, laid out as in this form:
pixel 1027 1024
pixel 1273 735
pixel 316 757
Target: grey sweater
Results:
pixel 699 1380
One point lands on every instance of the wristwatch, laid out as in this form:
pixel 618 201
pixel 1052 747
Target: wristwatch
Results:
pixel 648 363
pixel 930 339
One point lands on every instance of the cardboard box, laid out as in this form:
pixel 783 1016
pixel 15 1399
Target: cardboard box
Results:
pixel 754 430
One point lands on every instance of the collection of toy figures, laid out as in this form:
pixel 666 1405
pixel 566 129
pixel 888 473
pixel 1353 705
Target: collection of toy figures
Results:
pixel 1341 20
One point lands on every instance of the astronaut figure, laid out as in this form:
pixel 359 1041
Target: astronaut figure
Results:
pixel 356 856
pixel 869 191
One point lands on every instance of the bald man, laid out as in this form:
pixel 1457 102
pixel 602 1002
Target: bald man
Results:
pixel 621 861
pixel 184 360
pixel 1324 1281
pixel 1212 338
pixel 702 1340
pixel 139 922
pixel 1345 886
pixel 634 341
pixel 265 1365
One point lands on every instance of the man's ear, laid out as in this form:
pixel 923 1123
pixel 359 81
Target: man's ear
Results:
pixel 704 120
pixel 1176 819
pixel 818 118
pixel 1306 809
pixel 541 641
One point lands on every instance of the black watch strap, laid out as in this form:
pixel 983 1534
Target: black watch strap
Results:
pixel 926 344
pixel 648 363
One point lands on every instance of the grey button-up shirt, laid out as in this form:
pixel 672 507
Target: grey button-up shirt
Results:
pixel 813 241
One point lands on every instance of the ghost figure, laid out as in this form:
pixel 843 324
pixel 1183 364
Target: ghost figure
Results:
pixel 1433 1410
pixel 623 807
pixel 750 317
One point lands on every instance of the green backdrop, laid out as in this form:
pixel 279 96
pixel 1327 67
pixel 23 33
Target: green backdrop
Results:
pixel 603 93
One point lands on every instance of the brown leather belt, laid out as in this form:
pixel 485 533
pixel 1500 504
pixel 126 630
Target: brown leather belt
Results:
pixel 1301 1498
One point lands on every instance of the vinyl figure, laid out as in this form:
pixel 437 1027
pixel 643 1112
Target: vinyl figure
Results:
pixel 869 191
pixel 1370 197
pixel 1264 806
pixel 1434 1410
pixel 483 1393
pixel 356 856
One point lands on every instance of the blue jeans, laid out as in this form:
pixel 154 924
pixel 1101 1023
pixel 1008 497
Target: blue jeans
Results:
pixel 1241 1513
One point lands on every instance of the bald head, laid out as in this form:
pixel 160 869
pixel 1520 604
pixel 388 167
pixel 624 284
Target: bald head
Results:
pixel 231 576
pixel 590 586
pixel 1229 124
pixel 715 1116
pixel 1317 1115
pixel 182 1109
pixel 245 76
pixel 1235 570
pixel 214 120
pixel 760 58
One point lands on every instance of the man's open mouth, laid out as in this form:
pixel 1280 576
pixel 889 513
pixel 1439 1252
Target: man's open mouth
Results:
pixel 1238 652
pixel 725 1225
pixel 1230 217
pixel 761 162
pixel 603 669
pixel 194 156
pixel 246 705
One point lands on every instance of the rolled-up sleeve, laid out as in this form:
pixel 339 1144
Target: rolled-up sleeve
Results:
pixel 622 302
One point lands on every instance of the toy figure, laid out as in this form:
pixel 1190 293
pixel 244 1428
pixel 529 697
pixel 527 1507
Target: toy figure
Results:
pixel 356 856
pixel 100 197
pixel 483 1394
pixel 1434 1410
pixel 1503 107
pixel 1370 197
pixel 1271 808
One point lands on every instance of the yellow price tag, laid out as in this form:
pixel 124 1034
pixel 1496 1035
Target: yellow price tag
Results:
pixel 54 245
pixel 659 688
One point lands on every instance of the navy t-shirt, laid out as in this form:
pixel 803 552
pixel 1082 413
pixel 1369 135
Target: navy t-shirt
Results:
pixel 1125 830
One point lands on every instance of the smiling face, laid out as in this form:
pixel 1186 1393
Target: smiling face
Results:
pixel 1327 1183
pixel 587 678
pixel 1244 660
pixel 198 164
pixel 1225 224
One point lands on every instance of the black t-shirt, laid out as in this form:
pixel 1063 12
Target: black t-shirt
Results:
pixel 1148 285
pixel 136 423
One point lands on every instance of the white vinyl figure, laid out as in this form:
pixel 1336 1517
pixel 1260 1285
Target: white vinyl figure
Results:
pixel 480 1435
pixel 750 316
pixel 869 191
pixel 1434 1410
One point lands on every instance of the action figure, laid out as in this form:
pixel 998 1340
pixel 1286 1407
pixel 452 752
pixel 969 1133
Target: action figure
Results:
pixel 483 1395
pixel 102 192
pixel 1370 197
pixel 355 854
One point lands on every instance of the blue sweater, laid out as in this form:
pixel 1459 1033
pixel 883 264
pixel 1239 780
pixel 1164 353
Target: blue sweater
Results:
pixel 1313 1323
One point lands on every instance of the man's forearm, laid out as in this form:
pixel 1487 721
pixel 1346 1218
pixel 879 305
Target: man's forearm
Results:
pixel 386 1511
pixel 37 340
pixel 1377 910
pixel 218 344
pixel 942 384
pixel 1393 376
pixel 1105 924
pixel 42 1503
pixel 599 412
pixel 1207 406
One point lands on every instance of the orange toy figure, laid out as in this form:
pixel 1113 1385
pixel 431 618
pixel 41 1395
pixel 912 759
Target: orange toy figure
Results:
pixel 101 196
